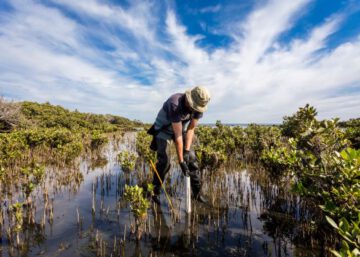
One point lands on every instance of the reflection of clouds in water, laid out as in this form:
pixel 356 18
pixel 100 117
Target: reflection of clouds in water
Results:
pixel 250 213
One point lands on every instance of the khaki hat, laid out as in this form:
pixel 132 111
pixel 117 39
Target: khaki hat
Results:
pixel 198 97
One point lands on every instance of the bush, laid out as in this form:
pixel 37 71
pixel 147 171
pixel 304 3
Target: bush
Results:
pixel 315 154
pixel 98 140
pixel 214 145
pixel 127 160
pixel 32 175
pixel 222 145
pixel 350 232
pixel 143 141
pixel 298 123
pixel 13 148
pixel 324 168
pixel 352 131
pixel 138 204
pixel 280 159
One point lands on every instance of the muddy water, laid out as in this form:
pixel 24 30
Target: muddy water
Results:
pixel 85 215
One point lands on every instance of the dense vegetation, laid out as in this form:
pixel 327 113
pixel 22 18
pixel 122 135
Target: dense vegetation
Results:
pixel 320 158
pixel 352 131
pixel 34 134
pixel 49 116
pixel 37 138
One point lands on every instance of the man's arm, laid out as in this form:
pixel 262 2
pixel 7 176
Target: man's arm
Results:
pixel 190 134
pixel 177 128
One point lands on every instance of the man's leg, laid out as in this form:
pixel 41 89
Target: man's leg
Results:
pixel 195 177
pixel 162 165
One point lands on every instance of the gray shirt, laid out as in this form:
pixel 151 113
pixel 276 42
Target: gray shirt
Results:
pixel 174 110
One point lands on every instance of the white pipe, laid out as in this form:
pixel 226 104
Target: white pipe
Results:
pixel 187 194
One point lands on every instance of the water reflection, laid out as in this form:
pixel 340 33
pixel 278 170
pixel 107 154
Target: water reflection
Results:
pixel 80 211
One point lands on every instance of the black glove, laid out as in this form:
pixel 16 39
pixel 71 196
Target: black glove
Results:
pixel 184 168
pixel 187 156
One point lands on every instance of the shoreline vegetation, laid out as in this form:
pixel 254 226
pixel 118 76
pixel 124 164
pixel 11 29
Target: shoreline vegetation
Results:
pixel 34 136
pixel 318 159
pixel 32 132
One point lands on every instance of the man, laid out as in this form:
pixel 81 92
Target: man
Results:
pixel 176 121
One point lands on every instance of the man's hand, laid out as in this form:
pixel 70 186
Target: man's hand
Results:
pixel 190 160
pixel 184 168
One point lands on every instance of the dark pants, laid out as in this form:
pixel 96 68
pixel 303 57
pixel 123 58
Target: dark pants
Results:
pixel 163 166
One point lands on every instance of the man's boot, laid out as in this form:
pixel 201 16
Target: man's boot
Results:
pixel 200 199
pixel 195 176
pixel 197 195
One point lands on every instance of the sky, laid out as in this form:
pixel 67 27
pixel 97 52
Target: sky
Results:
pixel 260 59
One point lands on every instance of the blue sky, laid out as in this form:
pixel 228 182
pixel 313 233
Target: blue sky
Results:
pixel 260 59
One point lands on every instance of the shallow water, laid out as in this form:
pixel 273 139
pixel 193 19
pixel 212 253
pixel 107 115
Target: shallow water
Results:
pixel 248 215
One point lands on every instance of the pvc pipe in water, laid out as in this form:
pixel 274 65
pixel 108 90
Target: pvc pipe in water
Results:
pixel 187 195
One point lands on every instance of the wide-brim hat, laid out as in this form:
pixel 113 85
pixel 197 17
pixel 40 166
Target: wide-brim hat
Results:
pixel 198 98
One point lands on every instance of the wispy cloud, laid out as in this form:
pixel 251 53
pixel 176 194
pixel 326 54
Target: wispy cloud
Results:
pixel 264 25
pixel 211 9
pixel 101 57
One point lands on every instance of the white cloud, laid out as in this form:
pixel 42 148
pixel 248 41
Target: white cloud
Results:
pixel 137 19
pixel 182 44
pixel 46 55
pixel 34 67
pixel 211 9
pixel 264 25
